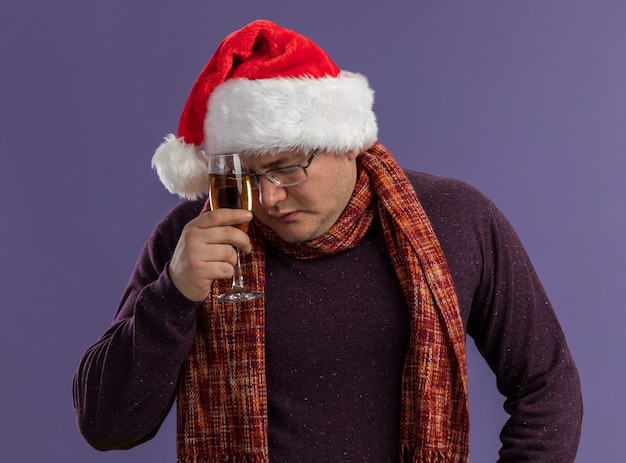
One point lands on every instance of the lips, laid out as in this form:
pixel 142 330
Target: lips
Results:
pixel 284 216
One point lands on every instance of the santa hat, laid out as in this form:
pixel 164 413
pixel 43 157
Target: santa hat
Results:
pixel 266 89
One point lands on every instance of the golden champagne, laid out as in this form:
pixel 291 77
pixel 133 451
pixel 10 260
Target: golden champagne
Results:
pixel 231 191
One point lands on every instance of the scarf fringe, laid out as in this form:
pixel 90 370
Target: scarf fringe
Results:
pixel 254 458
pixel 409 454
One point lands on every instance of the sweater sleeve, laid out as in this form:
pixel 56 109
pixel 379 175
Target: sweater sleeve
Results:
pixel 511 320
pixel 516 330
pixel 125 383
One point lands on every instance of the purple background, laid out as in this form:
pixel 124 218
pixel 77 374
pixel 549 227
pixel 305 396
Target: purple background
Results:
pixel 524 99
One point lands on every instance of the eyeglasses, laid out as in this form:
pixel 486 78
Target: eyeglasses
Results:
pixel 286 176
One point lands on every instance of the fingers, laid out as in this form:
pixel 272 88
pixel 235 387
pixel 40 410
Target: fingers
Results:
pixel 223 217
pixel 206 251
pixel 223 224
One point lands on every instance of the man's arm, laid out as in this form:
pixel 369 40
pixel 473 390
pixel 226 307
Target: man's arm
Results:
pixel 516 330
pixel 126 382
pixel 509 316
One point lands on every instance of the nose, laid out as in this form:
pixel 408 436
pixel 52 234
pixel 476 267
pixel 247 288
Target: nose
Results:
pixel 270 194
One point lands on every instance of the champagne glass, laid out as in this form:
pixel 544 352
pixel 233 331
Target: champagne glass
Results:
pixel 230 186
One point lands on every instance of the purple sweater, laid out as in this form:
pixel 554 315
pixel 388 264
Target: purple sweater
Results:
pixel 336 338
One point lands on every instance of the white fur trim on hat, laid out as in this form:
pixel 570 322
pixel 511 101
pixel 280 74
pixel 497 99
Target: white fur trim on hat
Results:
pixel 181 167
pixel 277 114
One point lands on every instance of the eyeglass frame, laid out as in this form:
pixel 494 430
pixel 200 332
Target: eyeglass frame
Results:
pixel 268 176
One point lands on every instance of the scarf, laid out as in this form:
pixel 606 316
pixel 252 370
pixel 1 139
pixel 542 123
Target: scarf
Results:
pixel 222 397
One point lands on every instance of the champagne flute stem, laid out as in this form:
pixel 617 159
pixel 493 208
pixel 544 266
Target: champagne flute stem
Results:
pixel 238 284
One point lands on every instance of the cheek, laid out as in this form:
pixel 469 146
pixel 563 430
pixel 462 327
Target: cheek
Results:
pixel 313 197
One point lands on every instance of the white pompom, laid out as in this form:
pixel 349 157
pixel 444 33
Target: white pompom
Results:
pixel 181 167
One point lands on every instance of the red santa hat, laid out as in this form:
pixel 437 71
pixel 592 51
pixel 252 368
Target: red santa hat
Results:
pixel 266 89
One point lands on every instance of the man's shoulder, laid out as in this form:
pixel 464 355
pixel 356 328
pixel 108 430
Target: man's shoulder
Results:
pixel 437 192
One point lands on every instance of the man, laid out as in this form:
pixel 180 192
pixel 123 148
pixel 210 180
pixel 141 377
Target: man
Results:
pixel 371 276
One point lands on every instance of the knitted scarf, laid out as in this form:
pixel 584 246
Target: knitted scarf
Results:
pixel 222 402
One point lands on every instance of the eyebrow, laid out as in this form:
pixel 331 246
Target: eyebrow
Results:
pixel 276 163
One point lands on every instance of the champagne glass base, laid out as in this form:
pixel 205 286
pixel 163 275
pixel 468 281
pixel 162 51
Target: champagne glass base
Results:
pixel 240 296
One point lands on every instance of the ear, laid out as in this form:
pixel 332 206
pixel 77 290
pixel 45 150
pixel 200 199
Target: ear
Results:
pixel 352 155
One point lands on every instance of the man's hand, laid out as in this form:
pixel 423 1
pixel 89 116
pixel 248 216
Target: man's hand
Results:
pixel 206 251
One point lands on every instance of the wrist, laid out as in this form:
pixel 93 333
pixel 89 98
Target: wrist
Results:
pixel 189 292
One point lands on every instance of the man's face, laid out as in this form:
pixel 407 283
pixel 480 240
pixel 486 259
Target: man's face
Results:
pixel 305 211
